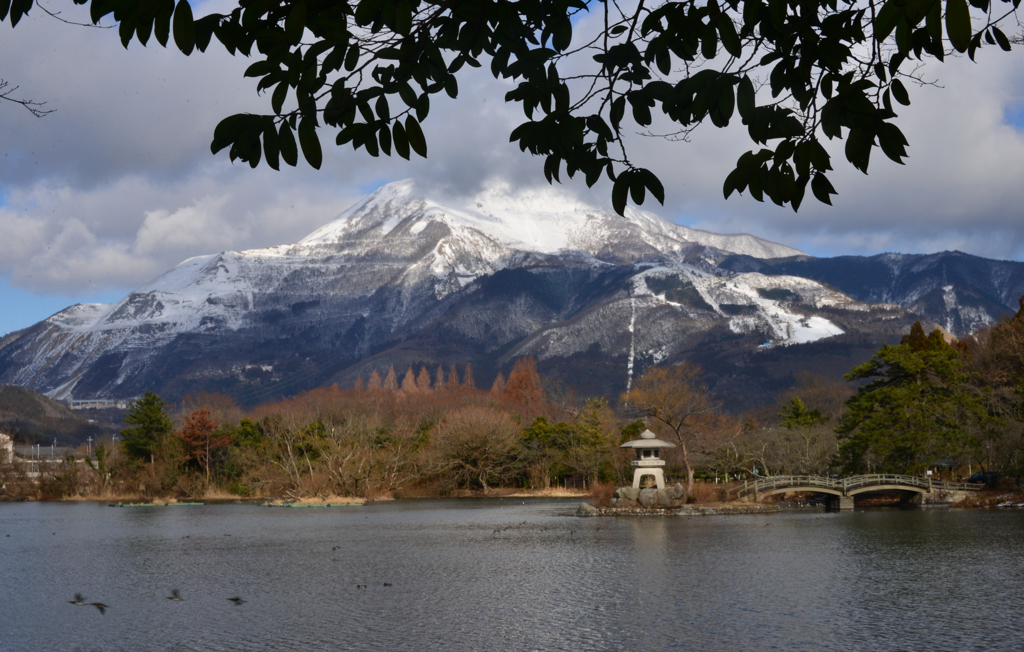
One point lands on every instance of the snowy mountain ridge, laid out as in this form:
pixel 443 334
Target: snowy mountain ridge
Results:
pixel 219 288
pixel 543 221
pixel 401 278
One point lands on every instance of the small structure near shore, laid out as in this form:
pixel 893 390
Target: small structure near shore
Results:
pixel 6 448
pixel 648 459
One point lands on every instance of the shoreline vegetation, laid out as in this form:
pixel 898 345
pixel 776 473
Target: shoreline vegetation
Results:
pixel 924 405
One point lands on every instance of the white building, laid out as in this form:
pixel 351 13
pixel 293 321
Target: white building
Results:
pixel 6 448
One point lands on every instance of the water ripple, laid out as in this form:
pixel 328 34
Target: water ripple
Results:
pixel 505 575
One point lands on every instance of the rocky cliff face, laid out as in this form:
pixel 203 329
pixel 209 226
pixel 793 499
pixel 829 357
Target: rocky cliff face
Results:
pixel 400 279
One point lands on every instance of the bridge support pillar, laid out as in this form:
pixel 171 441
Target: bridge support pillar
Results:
pixel 911 499
pixel 840 503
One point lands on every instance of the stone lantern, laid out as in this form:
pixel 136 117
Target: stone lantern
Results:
pixel 648 460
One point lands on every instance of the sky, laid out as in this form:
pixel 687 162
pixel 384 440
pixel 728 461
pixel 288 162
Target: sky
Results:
pixel 118 184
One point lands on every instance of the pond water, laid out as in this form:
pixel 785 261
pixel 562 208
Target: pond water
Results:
pixel 507 574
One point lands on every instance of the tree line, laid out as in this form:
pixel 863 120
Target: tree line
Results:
pixel 929 401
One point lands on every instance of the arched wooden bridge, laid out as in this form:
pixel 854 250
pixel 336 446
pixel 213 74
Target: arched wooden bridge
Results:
pixel 846 488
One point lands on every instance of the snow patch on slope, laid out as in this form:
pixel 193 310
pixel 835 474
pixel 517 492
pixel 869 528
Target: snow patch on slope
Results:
pixel 740 293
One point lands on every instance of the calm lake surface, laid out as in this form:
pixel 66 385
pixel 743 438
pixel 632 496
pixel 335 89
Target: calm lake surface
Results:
pixel 507 574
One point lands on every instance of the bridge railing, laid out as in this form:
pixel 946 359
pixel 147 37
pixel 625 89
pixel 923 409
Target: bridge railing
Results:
pixel 844 485
pixel 957 486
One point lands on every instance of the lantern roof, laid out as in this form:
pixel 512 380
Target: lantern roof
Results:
pixel 647 440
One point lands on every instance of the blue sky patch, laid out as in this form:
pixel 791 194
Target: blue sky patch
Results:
pixel 22 308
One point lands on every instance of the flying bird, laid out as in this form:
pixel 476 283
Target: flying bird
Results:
pixel 237 601
pixel 175 596
pixel 78 601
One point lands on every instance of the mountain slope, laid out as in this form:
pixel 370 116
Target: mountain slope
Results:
pixel 959 291
pixel 34 418
pixel 402 279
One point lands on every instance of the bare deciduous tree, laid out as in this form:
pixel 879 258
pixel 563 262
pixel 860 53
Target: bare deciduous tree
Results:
pixel 676 399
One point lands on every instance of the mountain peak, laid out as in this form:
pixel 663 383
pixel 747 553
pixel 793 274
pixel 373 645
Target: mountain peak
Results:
pixel 541 220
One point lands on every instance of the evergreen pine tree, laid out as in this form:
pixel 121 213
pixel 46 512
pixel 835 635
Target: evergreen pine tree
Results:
pixel 423 380
pixel 523 385
pixel 453 378
pixel 918 408
pixel 498 388
pixel 409 381
pixel 152 424
pixel 374 382
pixel 797 415
pixel 391 380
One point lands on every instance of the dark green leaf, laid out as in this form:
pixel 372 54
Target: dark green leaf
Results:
pixel 777 10
pixel 451 86
pixel 958 24
pixel 709 43
pixel 798 192
pixel 637 189
pixel 620 193
pixel 184 27
pixel 126 29
pixel 618 111
pixel 732 183
pixel 382 108
pixel 888 16
pixel 745 99
pixel 562 36
pixel 918 9
pixel 415 134
pixel 727 31
pixel 366 10
pixel 822 188
pixel 143 30
pixel 310 143
pixel 286 143
pixel 271 148
pixel 403 17
pixel 352 57
pixel 295 24
pixel 19 8
pixel 162 24
pixel 227 131
pixel 1001 39
pixel 653 184
pixel 899 92
pixel 401 140
pixel 278 98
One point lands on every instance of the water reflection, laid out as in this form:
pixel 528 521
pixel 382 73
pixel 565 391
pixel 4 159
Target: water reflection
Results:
pixel 504 575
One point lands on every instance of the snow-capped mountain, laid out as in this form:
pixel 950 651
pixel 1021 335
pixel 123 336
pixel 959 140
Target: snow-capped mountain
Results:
pixel 958 291
pixel 401 279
